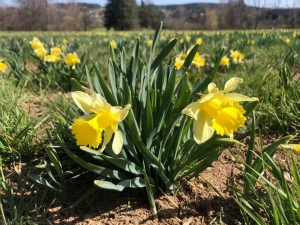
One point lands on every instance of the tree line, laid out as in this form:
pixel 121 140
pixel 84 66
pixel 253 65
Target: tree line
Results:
pixel 127 15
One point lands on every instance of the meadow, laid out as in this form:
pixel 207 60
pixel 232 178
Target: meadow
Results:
pixel 148 143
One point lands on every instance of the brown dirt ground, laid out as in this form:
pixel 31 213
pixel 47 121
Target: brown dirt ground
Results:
pixel 196 202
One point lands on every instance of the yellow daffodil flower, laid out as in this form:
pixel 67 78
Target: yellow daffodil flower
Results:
pixel 3 66
pixel 187 38
pixel 63 47
pixel 293 147
pixel 65 41
pixel 287 40
pixel 99 117
pixel 72 60
pixel 217 111
pixel 113 43
pixel 181 41
pixel 36 44
pixel 224 61
pixel 52 58
pixel 55 51
pixel 237 57
pixel 40 52
pixel 149 43
pixel 199 41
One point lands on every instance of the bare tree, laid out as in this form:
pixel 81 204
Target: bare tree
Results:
pixel 259 6
pixel 31 14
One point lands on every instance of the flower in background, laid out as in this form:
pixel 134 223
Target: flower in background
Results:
pixel 64 41
pixel 99 117
pixel 149 43
pixel 181 41
pixel 72 60
pixel 113 43
pixel 40 52
pixel 3 66
pixel 224 61
pixel 36 44
pixel 237 57
pixel 63 47
pixel 55 51
pixel 199 41
pixel 287 40
pixel 187 38
pixel 217 111
pixel 52 58
pixel 293 147
pixel 198 61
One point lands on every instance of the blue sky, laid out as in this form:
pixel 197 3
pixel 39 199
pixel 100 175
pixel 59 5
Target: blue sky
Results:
pixel 270 3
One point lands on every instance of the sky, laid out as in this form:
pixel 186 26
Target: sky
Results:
pixel 269 3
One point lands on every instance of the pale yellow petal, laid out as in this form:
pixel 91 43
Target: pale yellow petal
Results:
pixel 235 97
pixel 202 128
pixel 211 87
pixel 120 114
pixel 117 143
pixel 107 136
pixel 192 110
pixel 83 101
pixel 99 103
pixel 232 83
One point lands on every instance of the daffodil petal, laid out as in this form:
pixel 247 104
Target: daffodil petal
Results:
pixel 192 110
pixel 120 114
pixel 211 87
pixel 210 95
pixel 107 136
pixel 202 128
pixel 235 97
pixel 83 101
pixel 86 133
pixel 232 83
pixel 117 143
pixel 99 103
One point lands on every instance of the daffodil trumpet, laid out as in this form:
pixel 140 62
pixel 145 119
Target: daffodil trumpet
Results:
pixel 99 123
pixel 218 111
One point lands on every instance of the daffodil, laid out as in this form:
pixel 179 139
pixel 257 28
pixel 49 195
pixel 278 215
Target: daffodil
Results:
pixel 237 57
pixel 199 41
pixel 55 51
pixel 224 61
pixel 149 43
pixel 287 40
pixel 293 147
pixel 113 43
pixel 36 44
pixel 3 66
pixel 40 52
pixel 100 119
pixel 52 58
pixel 72 60
pixel 218 111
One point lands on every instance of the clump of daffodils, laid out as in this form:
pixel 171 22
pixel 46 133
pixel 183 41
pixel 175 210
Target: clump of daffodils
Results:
pixel 3 66
pixel 99 123
pixel 237 57
pixel 38 47
pixel 198 60
pixel 218 111
pixel 54 56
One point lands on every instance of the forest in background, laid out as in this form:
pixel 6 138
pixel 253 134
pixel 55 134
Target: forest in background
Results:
pixel 42 15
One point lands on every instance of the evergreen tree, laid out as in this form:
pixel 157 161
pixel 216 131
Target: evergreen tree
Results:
pixel 121 14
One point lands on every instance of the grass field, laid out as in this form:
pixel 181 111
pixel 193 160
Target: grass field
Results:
pixel 37 110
